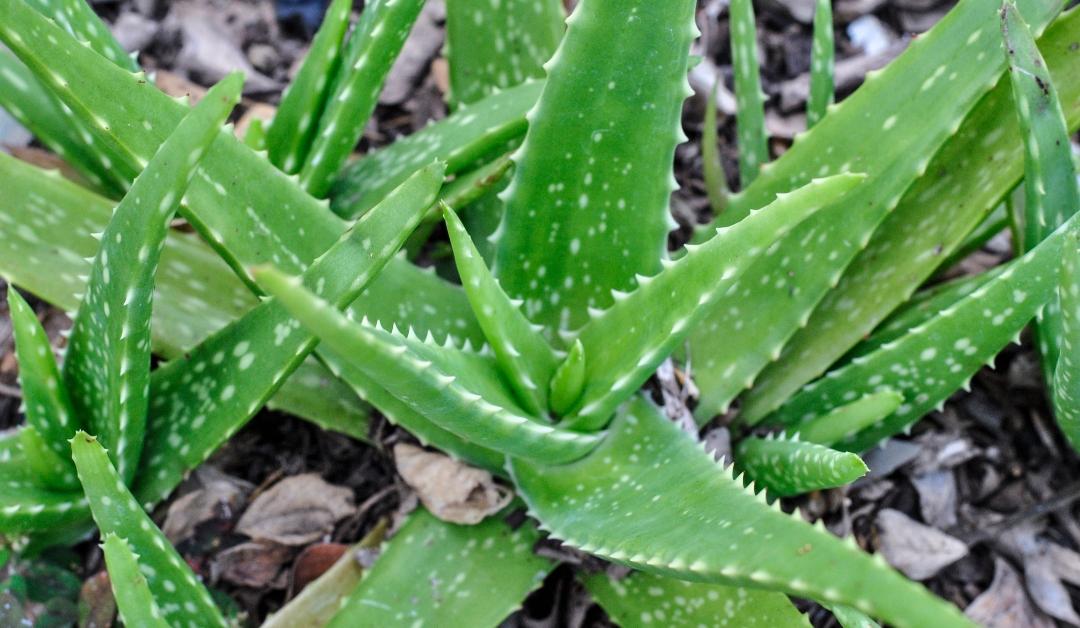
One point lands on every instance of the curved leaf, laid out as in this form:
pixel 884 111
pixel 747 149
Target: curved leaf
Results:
pixel 791 467
pixel 133 598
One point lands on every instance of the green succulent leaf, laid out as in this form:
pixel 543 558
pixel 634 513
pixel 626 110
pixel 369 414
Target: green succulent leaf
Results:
pixel 436 573
pixel 525 358
pixel 369 54
pixel 822 62
pixel 749 99
pixel 851 418
pixel 457 390
pixel 48 469
pixel 292 132
pixel 107 369
pixel 83 23
pixel 201 399
pixel 666 494
pixel 934 359
pixel 625 343
pixel 593 178
pixel 715 179
pixel 1066 388
pixel 568 380
pixel 472 133
pixel 644 599
pixel 789 466
pixel 965 179
pixel 182 599
pixel 850 617
pixel 133 597
pixel 26 507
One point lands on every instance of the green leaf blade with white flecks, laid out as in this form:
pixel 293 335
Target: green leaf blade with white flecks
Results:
pixel 789 466
pixel 201 399
pixel 1066 389
pixel 850 419
pixel 625 343
pixel 822 64
pixel 593 178
pixel 525 358
pixel 670 494
pixel 458 391
pixel 1051 192
pixel 293 129
pixel 436 573
pixel 750 100
pixel 965 179
pixel 107 368
pixel 79 19
pixel 471 133
pixel 48 469
pixel 851 617
pixel 496 45
pixel 934 359
pixel 182 599
pixel 715 178
pixel 644 599
pixel 369 54
pixel 48 407
pixel 130 589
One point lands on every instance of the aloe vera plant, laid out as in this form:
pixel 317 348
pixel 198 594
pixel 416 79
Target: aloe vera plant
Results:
pixel 533 367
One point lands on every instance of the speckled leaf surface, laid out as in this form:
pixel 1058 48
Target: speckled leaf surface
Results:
pixel 1066 389
pixel 26 505
pixel 965 179
pixel 202 398
pixel 593 178
pixel 471 133
pixel 107 367
pixel 133 598
pixel 83 23
pixel 456 389
pixel 749 99
pixel 625 343
pixel 644 599
pixel 183 600
pixel 369 53
pixel 936 358
pixel 667 494
pixel 822 64
pixel 789 466
pixel 851 418
pixel 436 574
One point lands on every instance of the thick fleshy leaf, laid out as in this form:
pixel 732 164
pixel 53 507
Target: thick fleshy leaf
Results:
pixel 293 129
pixel 1066 389
pixel 455 389
pixel 822 55
pixel 133 597
pixel 593 178
pixel 439 574
pixel 182 599
pixel 648 495
pixel 83 23
pixel 644 599
pixel 107 369
pixel 787 466
pixel 625 343
pixel 26 506
pixel 715 178
pixel 850 419
pixel 201 399
pixel 750 100
pixel 370 52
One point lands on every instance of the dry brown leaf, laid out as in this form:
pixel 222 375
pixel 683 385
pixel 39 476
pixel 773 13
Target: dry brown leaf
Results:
pixel 915 549
pixel 297 510
pixel 937 497
pixel 256 564
pixel 97 607
pixel 220 497
pixel 312 563
pixel 451 490
pixel 1045 565
pixel 1004 604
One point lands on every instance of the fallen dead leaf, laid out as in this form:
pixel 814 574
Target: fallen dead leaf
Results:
pixel 297 510
pixel 97 607
pixel 220 497
pixel 915 549
pixel 256 564
pixel 312 563
pixel 451 490
pixel 1004 604
pixel 1045 565
pixel 937 497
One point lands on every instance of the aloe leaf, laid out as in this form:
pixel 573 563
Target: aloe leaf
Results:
pixel 1066 388
pixel 293 130
pixel 79 19
pixel 492 46
pixel 133 597
pixel 473 575
pixel 48 469
pixel 568 381
pixel 749 99
pixel 371 50
pixel 48 407
pixel 993 224
pixel 201 399
pixel 471 133
pixel 849 617
pixel 625 343
pixel 34 107
pixel 936 358
pixel 715 179
pixel 789 466
pixel 644 599
pixel 822 62
pixel 957 181
pixel 1051 192
pixel 593 178
pixel 455 390
pixel 108 359
pixel 183 600
pixel 851 418
pixel 666 494
pixel 524 357
pixel 26 508
pixel 255 135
